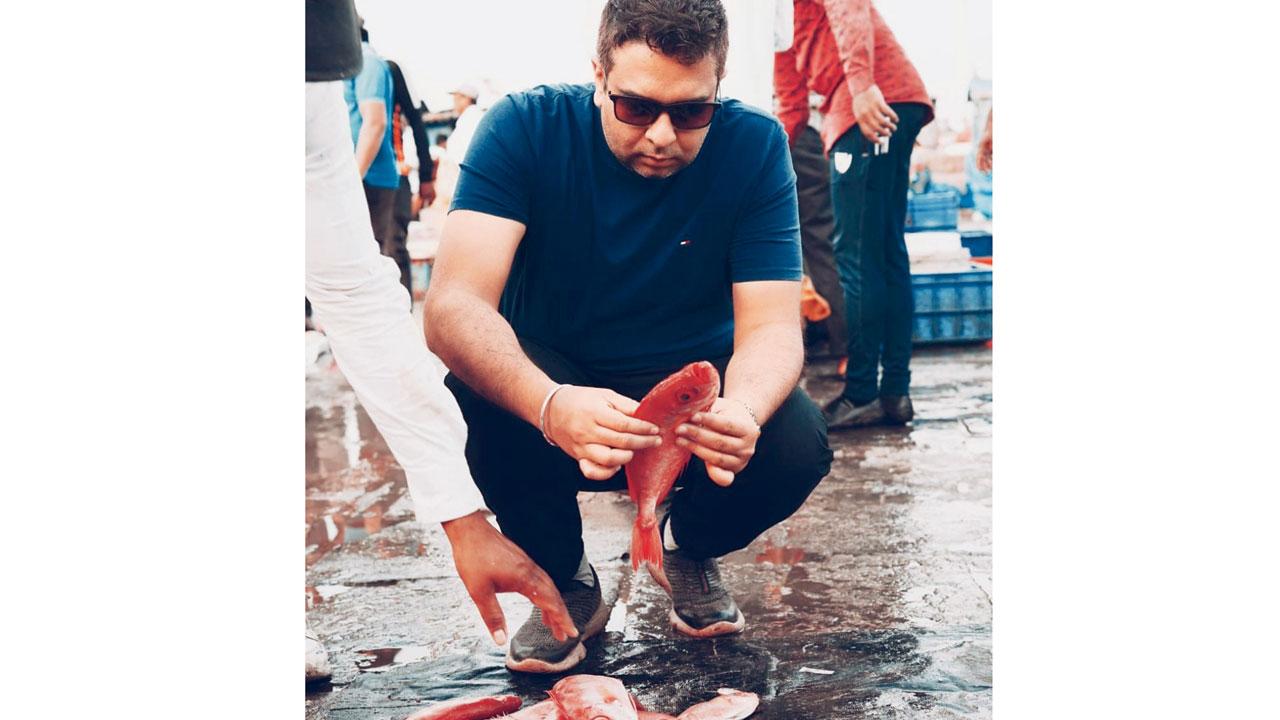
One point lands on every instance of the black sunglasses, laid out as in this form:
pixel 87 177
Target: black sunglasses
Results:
pixel 644 112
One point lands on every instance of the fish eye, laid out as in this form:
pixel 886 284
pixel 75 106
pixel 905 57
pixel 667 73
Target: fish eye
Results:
pixel 685 396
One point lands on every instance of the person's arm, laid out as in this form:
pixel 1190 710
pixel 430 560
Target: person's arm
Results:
pixel 793 93
pixel 850 22
pixel 985 147
pixel 373 125
pixel 768 355
pixel 426 169
pixel 464 328
pixel 358 297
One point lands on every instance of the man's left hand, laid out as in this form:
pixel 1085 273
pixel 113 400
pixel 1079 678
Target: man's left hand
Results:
pixel 725 439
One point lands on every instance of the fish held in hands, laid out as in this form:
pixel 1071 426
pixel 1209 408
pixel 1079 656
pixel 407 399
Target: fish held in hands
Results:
pixel 652 471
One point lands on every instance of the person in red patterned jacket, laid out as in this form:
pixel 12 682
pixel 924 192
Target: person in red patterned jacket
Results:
pixel 844 51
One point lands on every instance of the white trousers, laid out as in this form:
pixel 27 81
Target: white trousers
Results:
pixel 357 298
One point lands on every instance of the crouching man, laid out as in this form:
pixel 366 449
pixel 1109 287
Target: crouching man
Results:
pixel 601 237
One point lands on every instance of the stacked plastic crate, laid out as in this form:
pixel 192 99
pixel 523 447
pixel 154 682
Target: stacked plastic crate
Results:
pixel 952 292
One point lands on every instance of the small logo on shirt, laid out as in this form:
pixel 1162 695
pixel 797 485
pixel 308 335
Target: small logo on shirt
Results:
pixel 843 160
pixel 686 242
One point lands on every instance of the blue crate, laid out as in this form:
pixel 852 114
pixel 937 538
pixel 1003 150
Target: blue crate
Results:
pixel 933 210
pixel 977 241
pixel 952 307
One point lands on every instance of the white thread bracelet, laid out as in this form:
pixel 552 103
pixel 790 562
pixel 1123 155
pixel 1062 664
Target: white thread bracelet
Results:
pixel 542 413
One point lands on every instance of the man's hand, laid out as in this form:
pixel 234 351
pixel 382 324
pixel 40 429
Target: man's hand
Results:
pixel 426 195
pixel 875 118
pixel 594 426
pixel 724 438
pixel 489 563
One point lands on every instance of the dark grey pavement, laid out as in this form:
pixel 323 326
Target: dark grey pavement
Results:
pixel 872 601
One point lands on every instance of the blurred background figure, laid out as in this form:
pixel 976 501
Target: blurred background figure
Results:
pixel 875 104
pixel 408 203
pixel 468 114
pixel 370 97
pixel 977 166
pixel 408 116
pixel 985 148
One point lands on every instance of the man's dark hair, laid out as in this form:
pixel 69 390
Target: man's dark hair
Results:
pixel 687 30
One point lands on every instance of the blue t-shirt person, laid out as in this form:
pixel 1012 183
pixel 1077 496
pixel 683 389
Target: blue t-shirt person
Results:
pixel 373 83
pixel 616 271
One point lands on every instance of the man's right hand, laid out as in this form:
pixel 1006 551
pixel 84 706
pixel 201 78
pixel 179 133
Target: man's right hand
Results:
pixel 594 426
pixel 488 563
pixel 874 116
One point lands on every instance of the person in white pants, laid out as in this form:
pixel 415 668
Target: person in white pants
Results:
pixel 357 297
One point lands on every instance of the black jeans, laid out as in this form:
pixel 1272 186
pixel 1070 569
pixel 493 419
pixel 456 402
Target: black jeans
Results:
pixel 869 194
pixel 382 213
pixel 813 192
pixel 402 215
pixel 532 486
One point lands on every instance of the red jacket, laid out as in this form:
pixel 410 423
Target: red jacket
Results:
pixel 837 53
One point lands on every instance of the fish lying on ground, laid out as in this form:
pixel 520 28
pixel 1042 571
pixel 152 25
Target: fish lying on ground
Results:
pixel 728 705
pixel 652 471
pixel 593 696
pixel 589 697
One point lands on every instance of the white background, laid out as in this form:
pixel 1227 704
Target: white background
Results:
pixel 153 434
pixel 515 45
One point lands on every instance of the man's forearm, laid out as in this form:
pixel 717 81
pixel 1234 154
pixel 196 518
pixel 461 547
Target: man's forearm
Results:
pixel 367 144
pixel 765 367
pixel 479 346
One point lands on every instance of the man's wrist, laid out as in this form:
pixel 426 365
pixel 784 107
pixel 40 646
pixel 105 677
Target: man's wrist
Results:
pixel 462 524
pixel 750 411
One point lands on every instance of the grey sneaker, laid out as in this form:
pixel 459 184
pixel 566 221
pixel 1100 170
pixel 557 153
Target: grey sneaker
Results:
pixel 534 649
pixel 701 605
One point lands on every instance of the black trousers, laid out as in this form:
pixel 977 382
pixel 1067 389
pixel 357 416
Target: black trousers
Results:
pixel 382 213
pixel 532 486
pixel 813 191
pixel 402 215
pixel 869 194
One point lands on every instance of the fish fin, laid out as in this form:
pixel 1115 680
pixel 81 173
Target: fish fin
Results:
pixel 646 543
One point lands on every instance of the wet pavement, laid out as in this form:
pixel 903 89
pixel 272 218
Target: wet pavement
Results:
pixel 872 601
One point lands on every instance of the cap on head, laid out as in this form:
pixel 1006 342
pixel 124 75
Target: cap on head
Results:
pixel 466 90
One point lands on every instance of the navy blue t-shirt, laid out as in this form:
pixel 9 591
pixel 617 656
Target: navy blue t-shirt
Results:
pixel 616 271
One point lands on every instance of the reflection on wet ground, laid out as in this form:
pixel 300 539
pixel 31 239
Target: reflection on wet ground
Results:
pixel 874 600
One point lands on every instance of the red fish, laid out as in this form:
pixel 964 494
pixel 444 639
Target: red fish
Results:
pixel 652 471
pixel 545 710
pixel 593 697
pixel 469 709
pixel 728 705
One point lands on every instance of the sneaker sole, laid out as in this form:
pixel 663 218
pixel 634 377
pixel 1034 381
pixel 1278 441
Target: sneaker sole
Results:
pixel 724 627
pixel 575 656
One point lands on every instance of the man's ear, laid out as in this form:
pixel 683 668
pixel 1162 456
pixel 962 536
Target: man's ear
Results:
pixel 597 72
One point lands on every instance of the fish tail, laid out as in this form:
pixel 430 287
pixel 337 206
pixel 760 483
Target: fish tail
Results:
pixel 646 544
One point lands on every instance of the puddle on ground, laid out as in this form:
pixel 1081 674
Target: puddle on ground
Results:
pixel 381 659
pixel 835 675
